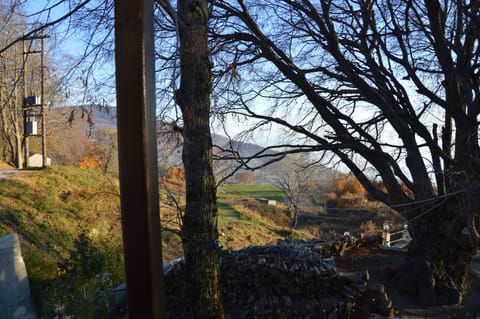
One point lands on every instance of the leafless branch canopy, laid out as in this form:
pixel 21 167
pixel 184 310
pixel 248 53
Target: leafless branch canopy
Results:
pixel 366 80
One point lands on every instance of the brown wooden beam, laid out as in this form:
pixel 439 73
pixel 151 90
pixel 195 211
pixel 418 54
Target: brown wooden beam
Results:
pixel 137 144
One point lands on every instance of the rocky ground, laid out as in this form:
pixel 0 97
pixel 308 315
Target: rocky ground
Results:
pixel 381 263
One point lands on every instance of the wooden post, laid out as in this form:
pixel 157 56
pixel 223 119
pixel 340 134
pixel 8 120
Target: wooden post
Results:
pixel 137 144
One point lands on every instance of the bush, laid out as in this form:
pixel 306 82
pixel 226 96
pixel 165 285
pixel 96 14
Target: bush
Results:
pixel 330 198
pixel 347 184
pixel 350 200
pixel 84 289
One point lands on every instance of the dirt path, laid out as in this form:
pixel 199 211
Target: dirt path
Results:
pixel 381 264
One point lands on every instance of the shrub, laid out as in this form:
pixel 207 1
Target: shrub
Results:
pixel 330 197
pixel 369 228
pixel 347 184
pixel 330 201
pixel 350 200
pixel 84 289
pixel 177 173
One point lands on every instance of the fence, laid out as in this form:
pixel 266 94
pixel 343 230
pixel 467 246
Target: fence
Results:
pixel 398 238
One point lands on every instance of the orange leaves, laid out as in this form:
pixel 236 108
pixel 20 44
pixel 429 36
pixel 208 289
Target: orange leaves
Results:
pixel 347 184
pixel 177 173
pixel 90 161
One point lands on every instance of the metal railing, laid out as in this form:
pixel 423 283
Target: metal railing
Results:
pixel 396 237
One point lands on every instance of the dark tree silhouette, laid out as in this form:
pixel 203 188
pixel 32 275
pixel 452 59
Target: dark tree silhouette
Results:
pixel 371 83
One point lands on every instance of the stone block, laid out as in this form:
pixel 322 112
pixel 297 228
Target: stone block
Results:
pixel 15 298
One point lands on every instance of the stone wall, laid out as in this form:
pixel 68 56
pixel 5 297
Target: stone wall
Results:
pixel 278 281
pixel 289 280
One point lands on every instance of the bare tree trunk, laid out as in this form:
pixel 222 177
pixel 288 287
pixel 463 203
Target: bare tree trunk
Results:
pixel 295 215
pixel 200 220
pixel 445 237
pixel 18 139
pixel 439 255
pixel 19 152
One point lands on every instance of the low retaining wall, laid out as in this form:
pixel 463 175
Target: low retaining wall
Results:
pixel 15 298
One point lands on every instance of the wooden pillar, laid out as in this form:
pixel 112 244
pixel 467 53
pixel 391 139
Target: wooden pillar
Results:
pixel 135 76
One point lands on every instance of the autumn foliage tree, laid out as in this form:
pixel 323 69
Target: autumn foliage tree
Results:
pixel 177 173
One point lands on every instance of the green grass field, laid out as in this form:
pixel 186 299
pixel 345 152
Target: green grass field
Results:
pixel 252 191
pixel 244 221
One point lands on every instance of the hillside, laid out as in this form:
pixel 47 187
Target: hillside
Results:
pixel 67 216
pixel 74 133
pixel 68 221
pixel 60 213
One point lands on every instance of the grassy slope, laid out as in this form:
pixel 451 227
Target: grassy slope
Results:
pixel 244 221
pixel 50 208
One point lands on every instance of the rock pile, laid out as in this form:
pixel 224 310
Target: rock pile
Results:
pixel 287 280
pixel 290 280
pixel 336 246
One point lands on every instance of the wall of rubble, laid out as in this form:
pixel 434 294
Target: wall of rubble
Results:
pixel 289 280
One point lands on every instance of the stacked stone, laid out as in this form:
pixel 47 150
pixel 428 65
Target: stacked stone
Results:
pixel 378 299
pixel 177 304
pixel 338 246
pixel 288 281
pixel 278 281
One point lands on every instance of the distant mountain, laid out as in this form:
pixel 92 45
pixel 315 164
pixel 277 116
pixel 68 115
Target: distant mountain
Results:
pixel 74 128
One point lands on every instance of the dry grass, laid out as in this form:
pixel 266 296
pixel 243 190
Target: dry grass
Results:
pixel 4 165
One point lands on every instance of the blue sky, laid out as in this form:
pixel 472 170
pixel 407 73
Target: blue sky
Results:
pixel 67 47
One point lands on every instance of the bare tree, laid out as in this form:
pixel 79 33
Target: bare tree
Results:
pixel 199 232
pixel 11 65
pixel 94 19
pixel 20 74
pixel 370 83
pixel 294 176
pixel 390 88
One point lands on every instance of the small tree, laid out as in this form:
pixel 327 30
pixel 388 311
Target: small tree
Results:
pixel 294 176
pixel 87 289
